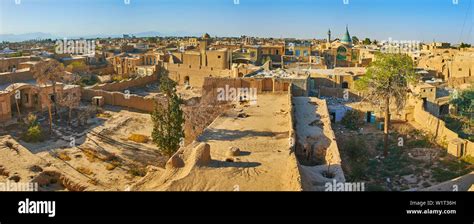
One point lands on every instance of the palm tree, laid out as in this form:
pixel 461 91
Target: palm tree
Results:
pixel 387 81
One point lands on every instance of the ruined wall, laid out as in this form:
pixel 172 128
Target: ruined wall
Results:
pixel 194 74
pixel 19 76
pixel 337 92
pixel 441 133
pixel 453 82
pixel 7 64
pixel 197 116
pixel 126 84
pixel 212 84
pixel 297 181
pixel 120 99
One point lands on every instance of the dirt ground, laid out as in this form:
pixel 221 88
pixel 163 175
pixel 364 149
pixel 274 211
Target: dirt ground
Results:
pixel 259 131
pixel 416 164
pixel 102 158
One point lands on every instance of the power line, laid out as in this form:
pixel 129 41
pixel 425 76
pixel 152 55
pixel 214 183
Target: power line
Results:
pixel 465 19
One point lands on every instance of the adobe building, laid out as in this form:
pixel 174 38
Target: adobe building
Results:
pixel 340 52
pixel 31 97
pixel 191 67
pixel 448 63
pixel 10 64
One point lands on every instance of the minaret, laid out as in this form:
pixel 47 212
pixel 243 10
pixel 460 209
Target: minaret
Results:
pixel 329 36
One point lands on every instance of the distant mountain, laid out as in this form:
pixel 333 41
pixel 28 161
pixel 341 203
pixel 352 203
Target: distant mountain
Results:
pixel 25 36
pixel 40 35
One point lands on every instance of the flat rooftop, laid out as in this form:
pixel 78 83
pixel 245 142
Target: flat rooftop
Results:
pixel 263 139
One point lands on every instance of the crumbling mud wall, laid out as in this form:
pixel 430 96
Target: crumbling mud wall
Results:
pixel 315 145
pixel 211 86
pixel 200 117
pixel 120 99
pixel 440 132
pixel 454 82
pixel 191 168
pixel 463 183
pixel 126 84
pixel 198 114
pixel 19 76
pixel 297 181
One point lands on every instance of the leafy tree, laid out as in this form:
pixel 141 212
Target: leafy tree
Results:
pixel 152 39
pixel 367 41
pixel 464 45
pixel 464 102
pixel 355 40
pixel 462 121
pixel 167 117
pixel 78 67
pixel 387 81
pixel 49 71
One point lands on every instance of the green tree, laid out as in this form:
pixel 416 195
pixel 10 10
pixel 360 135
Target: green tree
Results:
pixel 367 41
pixel 167 117
pixel 464 102
pixel 355 40
pixel 462 121
pixel 464 45
pixel 387 80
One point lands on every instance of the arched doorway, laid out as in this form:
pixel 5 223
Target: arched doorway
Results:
pixel 186 80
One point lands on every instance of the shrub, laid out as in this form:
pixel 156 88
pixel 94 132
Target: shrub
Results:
pixel 84 170
pixel 138 172
pixel 9 144
pixel 64 156
pixel 90 154
pixel 356 148
pixel 104 115
pixel 33 134
pixel 32 120
pixel 110 166
pixel 88 80
pixel 138 138
pixel 352 120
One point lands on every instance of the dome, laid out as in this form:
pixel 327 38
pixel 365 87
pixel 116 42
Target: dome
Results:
pixel 346 39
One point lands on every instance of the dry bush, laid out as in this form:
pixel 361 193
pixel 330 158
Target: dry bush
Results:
pixel 110 166
pixel 64 156
pixel 137 171
pixel 90 154
pixel 9 144
pixel 104 115
pixel 85 170
pixel 139 138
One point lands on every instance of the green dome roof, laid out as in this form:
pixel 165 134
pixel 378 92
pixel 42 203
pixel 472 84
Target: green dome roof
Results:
pixel 346 39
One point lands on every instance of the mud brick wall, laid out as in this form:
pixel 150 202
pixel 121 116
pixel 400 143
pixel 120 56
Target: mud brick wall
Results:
pixel 438 129
pixel 127 84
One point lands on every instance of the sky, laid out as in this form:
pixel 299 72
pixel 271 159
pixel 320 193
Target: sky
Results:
pixel 414 20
